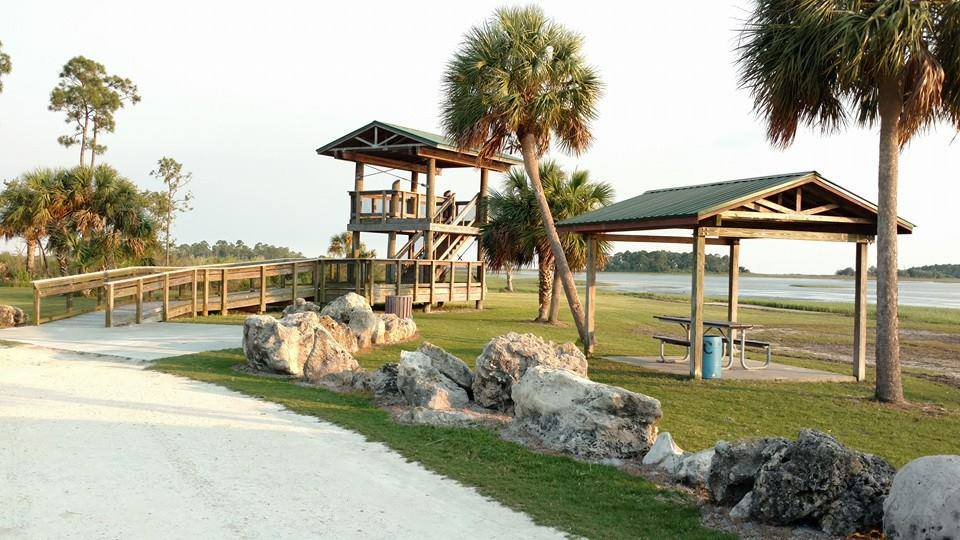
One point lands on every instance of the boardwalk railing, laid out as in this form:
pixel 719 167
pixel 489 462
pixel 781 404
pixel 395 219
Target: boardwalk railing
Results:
pixel 136 294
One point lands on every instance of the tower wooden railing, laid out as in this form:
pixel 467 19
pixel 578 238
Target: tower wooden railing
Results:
pixel 138 294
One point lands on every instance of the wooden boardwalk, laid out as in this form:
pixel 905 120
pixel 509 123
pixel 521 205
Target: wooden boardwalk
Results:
pixel 141 294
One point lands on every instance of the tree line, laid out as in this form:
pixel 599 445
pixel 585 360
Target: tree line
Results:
pixel 929 271
pixel 659 261
pixel 90 216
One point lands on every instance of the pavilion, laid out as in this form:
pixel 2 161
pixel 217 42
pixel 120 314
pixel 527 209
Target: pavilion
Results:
pixel 795 206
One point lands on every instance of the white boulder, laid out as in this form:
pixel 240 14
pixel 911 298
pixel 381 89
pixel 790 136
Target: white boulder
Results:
pixel 924 500
pixel 692 469
pixel 423 385
pixel 569 413
pixel 664 449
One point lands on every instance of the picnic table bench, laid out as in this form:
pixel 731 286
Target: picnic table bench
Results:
pixel 726 330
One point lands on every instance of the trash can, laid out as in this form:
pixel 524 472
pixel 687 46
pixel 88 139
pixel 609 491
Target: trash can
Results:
pixel 712 356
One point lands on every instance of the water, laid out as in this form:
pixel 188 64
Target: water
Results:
pixel 912 293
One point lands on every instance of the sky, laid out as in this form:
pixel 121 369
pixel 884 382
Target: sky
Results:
pixel 243 93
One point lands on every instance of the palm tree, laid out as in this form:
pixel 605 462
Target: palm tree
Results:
pixel 517 82
pixel 571 196
pixel 26 210
pixel 341 245
pixel 515 232
pixel 892 62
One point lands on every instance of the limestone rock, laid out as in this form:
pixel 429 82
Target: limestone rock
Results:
pixel 742 510
pixel 924 500
pixel 506 358
pixel 340 333
pixel 280 346
pixel 663 449
pixel 692 469
pixel 397 330
pixel 452 367
pixel 818 479
pixel 328 361
pixel 367 327
pixel 299 306
pixel 383 382
pixel 566 412
pixel 11 316
pixel 734 467
pixel 343 308
pixel 462 418
pixel 423 385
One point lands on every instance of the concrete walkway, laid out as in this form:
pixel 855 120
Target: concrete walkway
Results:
pixel 96 447
pixel 149 341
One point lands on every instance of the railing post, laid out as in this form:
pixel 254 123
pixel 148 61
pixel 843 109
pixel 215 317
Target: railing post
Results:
pixel 108 314
pixel 433 282
pixel 399 273
pixel 452 274
pixel 36 305
pixel 316 279
pixel 357 276
pixel 371 281
pixel 206 292
pixel 139 315
pixel 416 278
pixel 166 297
pixel 469 278
pixel 263 288
pixel 193 295
pixel 322 284
pixel 223 292
pixel 294 279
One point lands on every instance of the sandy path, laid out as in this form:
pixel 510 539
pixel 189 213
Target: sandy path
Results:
pixel 92 447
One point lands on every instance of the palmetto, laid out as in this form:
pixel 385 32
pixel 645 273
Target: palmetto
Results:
pixel 825 63
pixel 519 82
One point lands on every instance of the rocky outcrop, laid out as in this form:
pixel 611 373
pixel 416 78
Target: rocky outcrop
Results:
pixel 735 465
pixel 397 330
pixel 383 383
pixel 300 305
pixel 818 479
pixel 328 361
pixel 343 308
pixel 11 316
pixel 566 412
pixel 452 367
pixel 506 358
pixel 423 385
pixel 279 346
pixel 461 418
pixel 924 500
pixel 664 453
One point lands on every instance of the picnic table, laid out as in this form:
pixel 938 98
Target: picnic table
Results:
pixel 726 330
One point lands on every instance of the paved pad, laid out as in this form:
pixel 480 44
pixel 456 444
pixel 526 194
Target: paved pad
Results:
pixel 94 447
pixel 148 341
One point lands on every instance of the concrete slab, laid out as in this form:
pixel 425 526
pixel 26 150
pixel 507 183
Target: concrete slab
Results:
pixel 149 341
pixel 776 372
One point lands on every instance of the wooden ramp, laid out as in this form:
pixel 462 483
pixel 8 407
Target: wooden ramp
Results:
pixel 143 294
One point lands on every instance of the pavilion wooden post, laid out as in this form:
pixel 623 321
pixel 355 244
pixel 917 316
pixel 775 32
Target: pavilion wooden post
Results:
pixel 357 206
pixel 431 208
pixel 482 218
pixel 394 213
pixel 591 295
pixel 193 294
pixel 696 306
pixel 223 292
pixel 733 287
pixel 860 314
pixel 263 288
pixel 206 292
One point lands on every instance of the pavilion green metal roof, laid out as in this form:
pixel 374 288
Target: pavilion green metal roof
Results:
pixel 685 201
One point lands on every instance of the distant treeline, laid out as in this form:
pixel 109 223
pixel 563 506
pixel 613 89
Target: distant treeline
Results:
pixel 223 251
pixel 664 261
pixel 930 271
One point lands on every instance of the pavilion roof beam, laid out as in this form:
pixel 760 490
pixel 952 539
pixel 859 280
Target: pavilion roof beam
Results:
pixel 793 217
pixel 465 160
pixel 733 232
pixel 654 239
pixel 381 161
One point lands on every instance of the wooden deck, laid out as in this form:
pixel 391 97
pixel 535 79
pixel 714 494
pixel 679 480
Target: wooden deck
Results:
pixel 140 295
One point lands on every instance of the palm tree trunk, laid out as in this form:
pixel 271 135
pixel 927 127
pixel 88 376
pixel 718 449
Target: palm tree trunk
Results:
pixel 555 299
pixel 889 386
pixel 31 255
pixel 545 275
pixel 530 162
pixel 509 279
